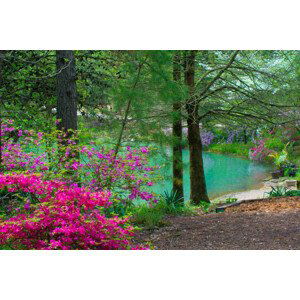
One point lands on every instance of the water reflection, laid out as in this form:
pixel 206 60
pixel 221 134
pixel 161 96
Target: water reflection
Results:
pixel 223 173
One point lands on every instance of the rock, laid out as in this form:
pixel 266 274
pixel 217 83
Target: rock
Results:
pixel 291 183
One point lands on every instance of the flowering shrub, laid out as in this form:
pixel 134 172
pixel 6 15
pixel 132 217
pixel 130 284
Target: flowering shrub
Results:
pixel 207 137
pixel 60 217
pixel 14 141
pixel 232 135
pixel 259 152
pixel 126 175
pixel 57 194
pixel 241 135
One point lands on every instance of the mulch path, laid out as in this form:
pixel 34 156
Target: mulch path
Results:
pixel 269 224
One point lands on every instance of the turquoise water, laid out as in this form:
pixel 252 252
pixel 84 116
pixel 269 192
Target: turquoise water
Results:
pixel 224 174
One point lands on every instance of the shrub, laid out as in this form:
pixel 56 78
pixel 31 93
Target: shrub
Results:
pixel 148 217
pixel 172 199
pixel 152 216
pixel 278 191
pixel 205 206
pixel 61 217
pixel 293 193
pixel 230 200
pixel 235 148
pixel 207 137
pixel 14 141
pixel 274 144
pixel 259 152
pixel 126 175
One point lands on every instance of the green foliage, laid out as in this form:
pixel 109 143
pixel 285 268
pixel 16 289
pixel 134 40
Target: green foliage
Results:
pixel 172 199
pixel 148 217
pixel 278 191
pixel 275 144
pixel 297 176
pixel 281 157
pixel 154 216
pixel 230 200
pixel 118 208
pixel 234 148
pixel 9 201
pixel 205 206
pixel 293 193
pixel 281 191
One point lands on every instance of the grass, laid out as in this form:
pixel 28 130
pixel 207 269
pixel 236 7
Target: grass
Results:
pixel 151 217
pixel 234 148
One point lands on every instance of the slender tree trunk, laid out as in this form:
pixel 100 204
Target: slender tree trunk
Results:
pixel 1 167
pixel 127 110
pixel 66 91
pixel 67 107
pixel 197 178
pixel 245 136
pixel 177 133
pixel 2 52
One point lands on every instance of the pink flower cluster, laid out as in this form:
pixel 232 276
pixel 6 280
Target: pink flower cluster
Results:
pixel 127 175
pixel 46 190
pixel 259 152
pixel 65 217
pixel 14 141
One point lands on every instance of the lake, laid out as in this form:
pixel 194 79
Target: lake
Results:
pixel 224 174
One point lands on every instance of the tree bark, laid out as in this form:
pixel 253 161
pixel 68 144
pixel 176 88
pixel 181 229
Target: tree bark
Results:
pixel 197 178
pixel 2 52
pixel 245 137
pixel 177 133
pixel 66 91
pixel 67 108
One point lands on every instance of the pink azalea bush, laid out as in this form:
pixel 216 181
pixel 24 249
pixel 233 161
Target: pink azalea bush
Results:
pixel 259 152
pixel 55 194
pixel 13 156
pixel 126 175
pixel 64 217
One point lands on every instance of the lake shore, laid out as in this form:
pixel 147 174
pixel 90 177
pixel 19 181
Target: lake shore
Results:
pixel 257 193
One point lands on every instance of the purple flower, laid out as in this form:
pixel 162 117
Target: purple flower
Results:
pixel 207 137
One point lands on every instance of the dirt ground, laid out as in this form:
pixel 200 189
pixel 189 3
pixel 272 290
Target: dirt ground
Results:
pixel 270 224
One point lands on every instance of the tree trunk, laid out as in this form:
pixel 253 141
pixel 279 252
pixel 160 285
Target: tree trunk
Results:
pixel 197 178
pixel 177 133
pixel 67 108
pixel 2 52
pixel 245 136
pixel 1 167
pixel 66 91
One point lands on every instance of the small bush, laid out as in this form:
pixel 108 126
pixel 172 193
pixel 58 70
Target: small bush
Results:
pixel 234 148
pixel 293 193
pixel 152 216
pixel 274 144
pixel 205 206
pixel 279 191
pixel 172 199
pixel 148 217
pixel 230 200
